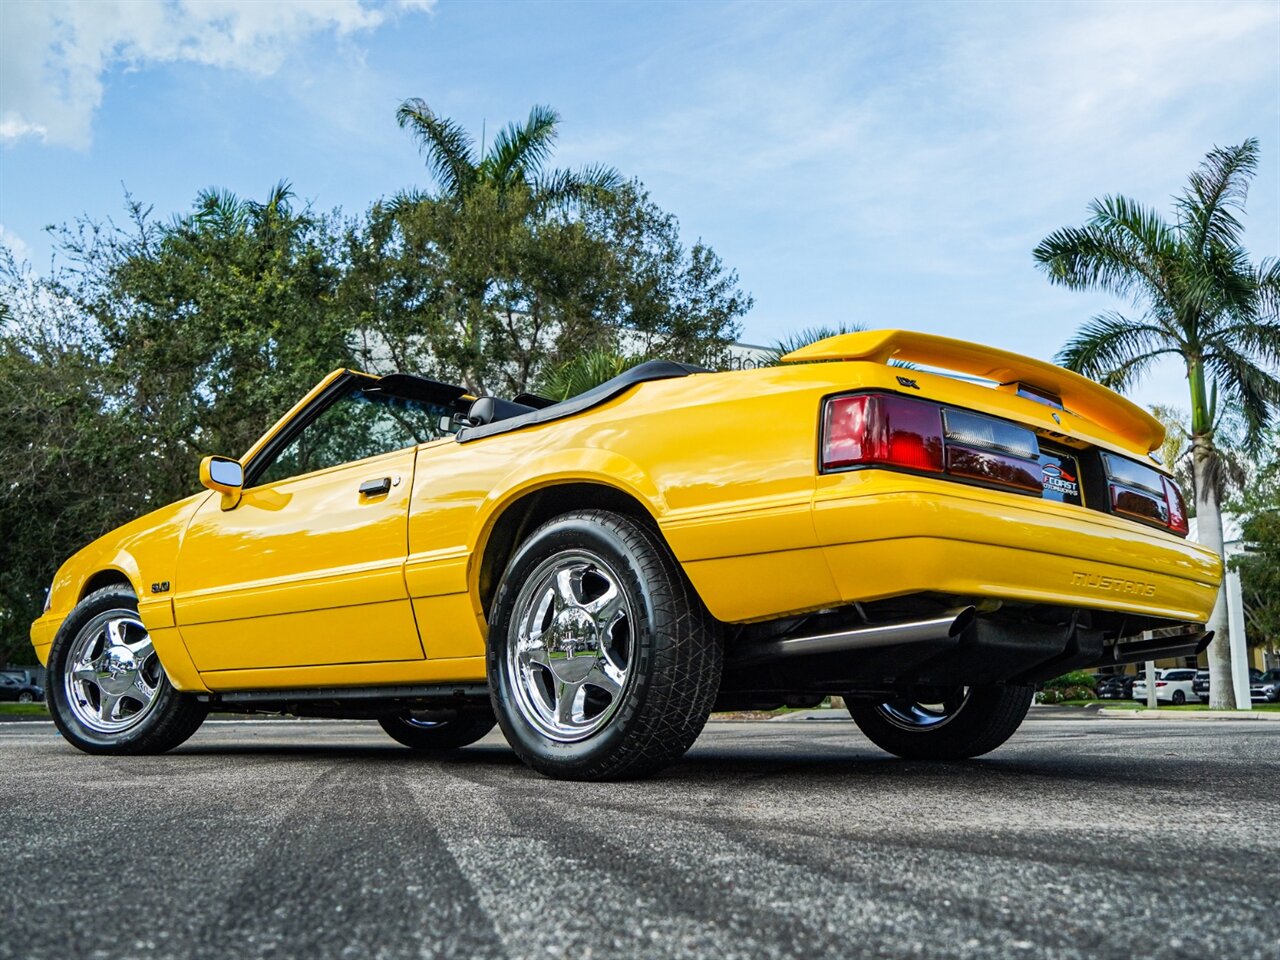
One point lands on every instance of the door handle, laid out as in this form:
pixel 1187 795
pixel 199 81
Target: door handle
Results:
pixel 376 487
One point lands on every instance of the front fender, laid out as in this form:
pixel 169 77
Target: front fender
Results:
pixel 144 552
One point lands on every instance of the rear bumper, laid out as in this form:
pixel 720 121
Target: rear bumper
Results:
pixel 886 534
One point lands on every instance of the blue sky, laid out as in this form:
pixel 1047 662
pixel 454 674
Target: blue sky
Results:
pixel 884 164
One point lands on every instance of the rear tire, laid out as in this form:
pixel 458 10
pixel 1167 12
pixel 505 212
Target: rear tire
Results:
pixel 107 690
pixel 436 735
pixel 973 721
pixel 603 663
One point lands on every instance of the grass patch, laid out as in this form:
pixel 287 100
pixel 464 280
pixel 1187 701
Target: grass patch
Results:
pixel 1142 705
pixel 22 709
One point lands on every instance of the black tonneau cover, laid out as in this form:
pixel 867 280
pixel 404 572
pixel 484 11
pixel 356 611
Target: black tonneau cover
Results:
pixel 650 370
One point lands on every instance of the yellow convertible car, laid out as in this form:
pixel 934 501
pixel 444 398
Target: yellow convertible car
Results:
pixel 598 575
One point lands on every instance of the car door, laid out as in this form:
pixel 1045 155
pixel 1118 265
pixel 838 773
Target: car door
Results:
pixel 308 567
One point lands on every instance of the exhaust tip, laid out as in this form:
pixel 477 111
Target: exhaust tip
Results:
pixel 962 621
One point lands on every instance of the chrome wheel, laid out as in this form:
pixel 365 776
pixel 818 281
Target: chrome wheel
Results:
pixel 913 715
pixel 573 638
pixel 112 674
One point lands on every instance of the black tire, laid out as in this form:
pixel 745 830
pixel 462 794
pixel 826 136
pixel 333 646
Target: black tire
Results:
pixel 169 721
pixel 26 696
pixel 986 718
pixel 436 735
pixel 673 667
pixel 1179 698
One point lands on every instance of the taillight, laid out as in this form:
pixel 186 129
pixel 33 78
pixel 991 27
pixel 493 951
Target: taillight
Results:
pixel 873 429
pixel 1177 508
pixel 992 451
pixel 882 429
pixel 1144 494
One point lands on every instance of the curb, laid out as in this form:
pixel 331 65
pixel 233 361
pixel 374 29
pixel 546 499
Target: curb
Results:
pixel 1112 713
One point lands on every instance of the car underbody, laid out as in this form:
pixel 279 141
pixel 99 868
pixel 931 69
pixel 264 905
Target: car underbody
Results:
pixel 915 648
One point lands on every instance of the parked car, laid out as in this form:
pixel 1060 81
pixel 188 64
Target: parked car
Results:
pixel 1174 686
pixel 1266 686
pixel 14 690
pixel 1118 686
pixel 1201 684
pixel 598 574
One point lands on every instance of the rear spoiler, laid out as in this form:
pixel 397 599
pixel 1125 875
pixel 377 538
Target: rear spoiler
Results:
pixel 1079 395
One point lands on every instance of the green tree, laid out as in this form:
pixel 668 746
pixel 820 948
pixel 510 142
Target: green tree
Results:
pixel 63 447
pixel 1202 301
pixel 493 291
pixel 1259 566
pixel 153 345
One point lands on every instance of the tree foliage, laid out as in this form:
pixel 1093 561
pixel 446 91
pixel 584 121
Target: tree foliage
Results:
pixel 157 342
pixel 1259 566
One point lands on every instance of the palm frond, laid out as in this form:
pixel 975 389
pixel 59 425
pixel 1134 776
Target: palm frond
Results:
pixel 1249 388
pixel 519 150
pixel 579 374
pixel 1267 283
pixel 1214 193
pixel 1115 350
pixel 803 337
pixel 403 201
pixel 223 209
pixel 590 185
pixel 1122 249
pixel 449 149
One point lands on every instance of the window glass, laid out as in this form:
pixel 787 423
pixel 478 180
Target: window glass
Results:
pixel 355 426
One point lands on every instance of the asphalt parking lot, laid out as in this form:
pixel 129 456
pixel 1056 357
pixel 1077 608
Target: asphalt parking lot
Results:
pixel 1080 838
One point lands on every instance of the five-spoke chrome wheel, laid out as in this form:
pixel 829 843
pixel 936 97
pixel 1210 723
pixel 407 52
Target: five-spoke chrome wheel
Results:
pixel 573 641
pixel 112 674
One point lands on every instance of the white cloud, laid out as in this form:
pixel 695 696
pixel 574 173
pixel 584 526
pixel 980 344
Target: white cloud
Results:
pixel 54 53
pixel 17 246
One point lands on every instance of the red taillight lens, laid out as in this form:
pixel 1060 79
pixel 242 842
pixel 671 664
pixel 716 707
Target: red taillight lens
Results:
pixel 1143 506
pixel 1177 508
pixel 882 429
pixel 1145 494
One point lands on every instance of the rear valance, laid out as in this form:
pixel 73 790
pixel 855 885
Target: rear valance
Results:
pixel 1079 395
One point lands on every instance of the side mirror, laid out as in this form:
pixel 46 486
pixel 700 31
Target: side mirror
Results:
pixel 224 475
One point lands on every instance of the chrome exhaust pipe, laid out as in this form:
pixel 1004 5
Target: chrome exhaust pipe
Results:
pixel 948 626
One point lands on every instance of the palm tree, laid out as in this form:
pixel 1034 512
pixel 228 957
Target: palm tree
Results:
pixel 513 162
pixel 1200 300
pixel 584 371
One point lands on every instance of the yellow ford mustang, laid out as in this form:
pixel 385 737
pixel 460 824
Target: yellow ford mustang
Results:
pixel 598 575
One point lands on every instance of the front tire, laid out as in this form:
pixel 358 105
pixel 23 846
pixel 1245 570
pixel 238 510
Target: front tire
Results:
pixel 1179 698
pixel 969 722
pixel 107 690
pixel 603 663
pixel 26 696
